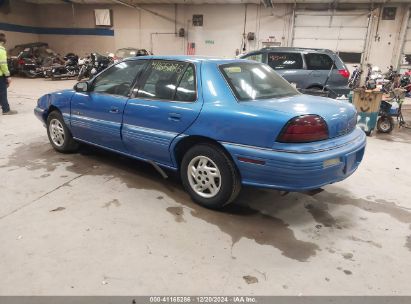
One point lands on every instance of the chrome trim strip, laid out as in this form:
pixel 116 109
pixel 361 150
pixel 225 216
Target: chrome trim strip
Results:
pixel 291 151
pixel 148 130
pixel 125 154
pixel 95 120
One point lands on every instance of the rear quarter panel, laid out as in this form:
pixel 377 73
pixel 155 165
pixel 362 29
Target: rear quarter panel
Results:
pixel 224 119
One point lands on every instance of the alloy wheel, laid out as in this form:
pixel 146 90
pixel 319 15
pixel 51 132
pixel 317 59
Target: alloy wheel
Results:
pixel 57 132
pixel 204 176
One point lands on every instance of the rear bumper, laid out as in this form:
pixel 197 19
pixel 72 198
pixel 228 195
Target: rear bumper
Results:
pixel 297 171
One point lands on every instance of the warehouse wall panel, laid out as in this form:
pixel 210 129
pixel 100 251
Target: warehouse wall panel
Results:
pixel 19 13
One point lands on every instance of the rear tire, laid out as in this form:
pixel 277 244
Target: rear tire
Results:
pixel 209 176
pixel 59 135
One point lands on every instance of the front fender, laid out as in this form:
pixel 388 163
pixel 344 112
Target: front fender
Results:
pixel 58 100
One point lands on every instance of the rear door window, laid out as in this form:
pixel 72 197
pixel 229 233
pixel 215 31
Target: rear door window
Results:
pixel 186 90
pixel 285 61
pixel 164 76
pixel 316 61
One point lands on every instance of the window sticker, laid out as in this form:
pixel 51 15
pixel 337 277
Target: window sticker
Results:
pixel 171 67
pixel 234 69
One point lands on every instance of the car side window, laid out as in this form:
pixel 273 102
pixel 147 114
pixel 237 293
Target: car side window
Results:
pixel 316 61
pixel 186 90
pixel 256 57
pixel 162 78
pixel 285 61
pixel 118 79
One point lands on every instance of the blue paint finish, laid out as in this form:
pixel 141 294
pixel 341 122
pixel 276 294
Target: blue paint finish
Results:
pixel 151 125
pixel 298 171
pixel 97 118
pixel 151 129
pixel 55 30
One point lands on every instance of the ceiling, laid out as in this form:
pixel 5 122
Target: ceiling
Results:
pixel 136 2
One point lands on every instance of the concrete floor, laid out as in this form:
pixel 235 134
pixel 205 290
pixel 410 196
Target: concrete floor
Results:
pixel 99 224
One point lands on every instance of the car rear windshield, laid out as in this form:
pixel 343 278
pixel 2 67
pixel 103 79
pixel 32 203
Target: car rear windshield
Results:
pixel 251 81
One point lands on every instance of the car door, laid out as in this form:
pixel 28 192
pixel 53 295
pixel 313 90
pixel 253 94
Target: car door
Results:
pixel 163 105
pixel 96 116
pixel 319 66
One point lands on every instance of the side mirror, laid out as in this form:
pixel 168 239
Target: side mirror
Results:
pixel 81 86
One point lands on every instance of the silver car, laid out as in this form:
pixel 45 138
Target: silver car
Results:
pixel 308 69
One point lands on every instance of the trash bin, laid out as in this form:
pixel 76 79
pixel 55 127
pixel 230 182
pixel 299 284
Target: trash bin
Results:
pixel 367 103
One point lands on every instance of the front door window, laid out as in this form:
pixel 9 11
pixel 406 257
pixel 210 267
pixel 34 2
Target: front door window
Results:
pixel 118 79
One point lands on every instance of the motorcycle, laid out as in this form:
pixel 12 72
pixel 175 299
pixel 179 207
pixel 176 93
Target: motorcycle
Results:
pixel 390 80
pixel 30 68
pixel 94 64
pixel 68 70
pixel 374 77
pixel 354 81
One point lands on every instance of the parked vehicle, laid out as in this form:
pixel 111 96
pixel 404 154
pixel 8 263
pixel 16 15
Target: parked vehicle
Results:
pixel 391 80
pixel 120 54
pixel 221 123
pixel 93 65
pixel 308 69
pixel 355 78
pixel 30 59
pixel 69 69
pixel 375 78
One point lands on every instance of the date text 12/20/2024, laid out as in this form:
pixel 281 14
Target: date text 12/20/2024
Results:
pixel 205 299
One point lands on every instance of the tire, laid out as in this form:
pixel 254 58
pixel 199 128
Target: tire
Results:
pixel 385 124
pixel 59 135
pixel 368 133
pixel 30 74
pixel 226 180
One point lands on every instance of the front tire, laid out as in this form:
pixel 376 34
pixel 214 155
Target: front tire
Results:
pixel 209 176
pixel 59 135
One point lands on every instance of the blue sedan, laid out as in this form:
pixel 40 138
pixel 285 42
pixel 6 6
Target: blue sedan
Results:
pixel 221 123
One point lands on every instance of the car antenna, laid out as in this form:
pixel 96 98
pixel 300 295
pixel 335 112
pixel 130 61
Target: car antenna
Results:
pixel 329 72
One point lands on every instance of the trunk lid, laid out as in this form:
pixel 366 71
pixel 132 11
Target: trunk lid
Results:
pixel 340 116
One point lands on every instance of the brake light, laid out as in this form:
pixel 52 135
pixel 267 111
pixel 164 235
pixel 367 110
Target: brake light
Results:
pixel 21 61
pixel 344 73
pixel 304 128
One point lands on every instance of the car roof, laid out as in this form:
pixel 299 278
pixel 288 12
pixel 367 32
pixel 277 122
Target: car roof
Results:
pixel 292 49
pixel 188 58
pixel 128 48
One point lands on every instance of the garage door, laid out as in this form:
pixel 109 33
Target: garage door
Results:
pixel 406 51
pixel 343 31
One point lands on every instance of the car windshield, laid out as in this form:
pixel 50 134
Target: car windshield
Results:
pixel 250 81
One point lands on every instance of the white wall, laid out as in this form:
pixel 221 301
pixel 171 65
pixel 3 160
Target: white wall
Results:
pixel 223 26
pixel 21 14
pixel 385 39
pixel 223 29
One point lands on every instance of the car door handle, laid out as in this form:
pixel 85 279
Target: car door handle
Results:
pixel 174 116
pixel 114 110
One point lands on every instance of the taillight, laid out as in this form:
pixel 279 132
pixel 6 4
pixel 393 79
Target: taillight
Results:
pixel 344 73
pixel 304 128
pixel 21 62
